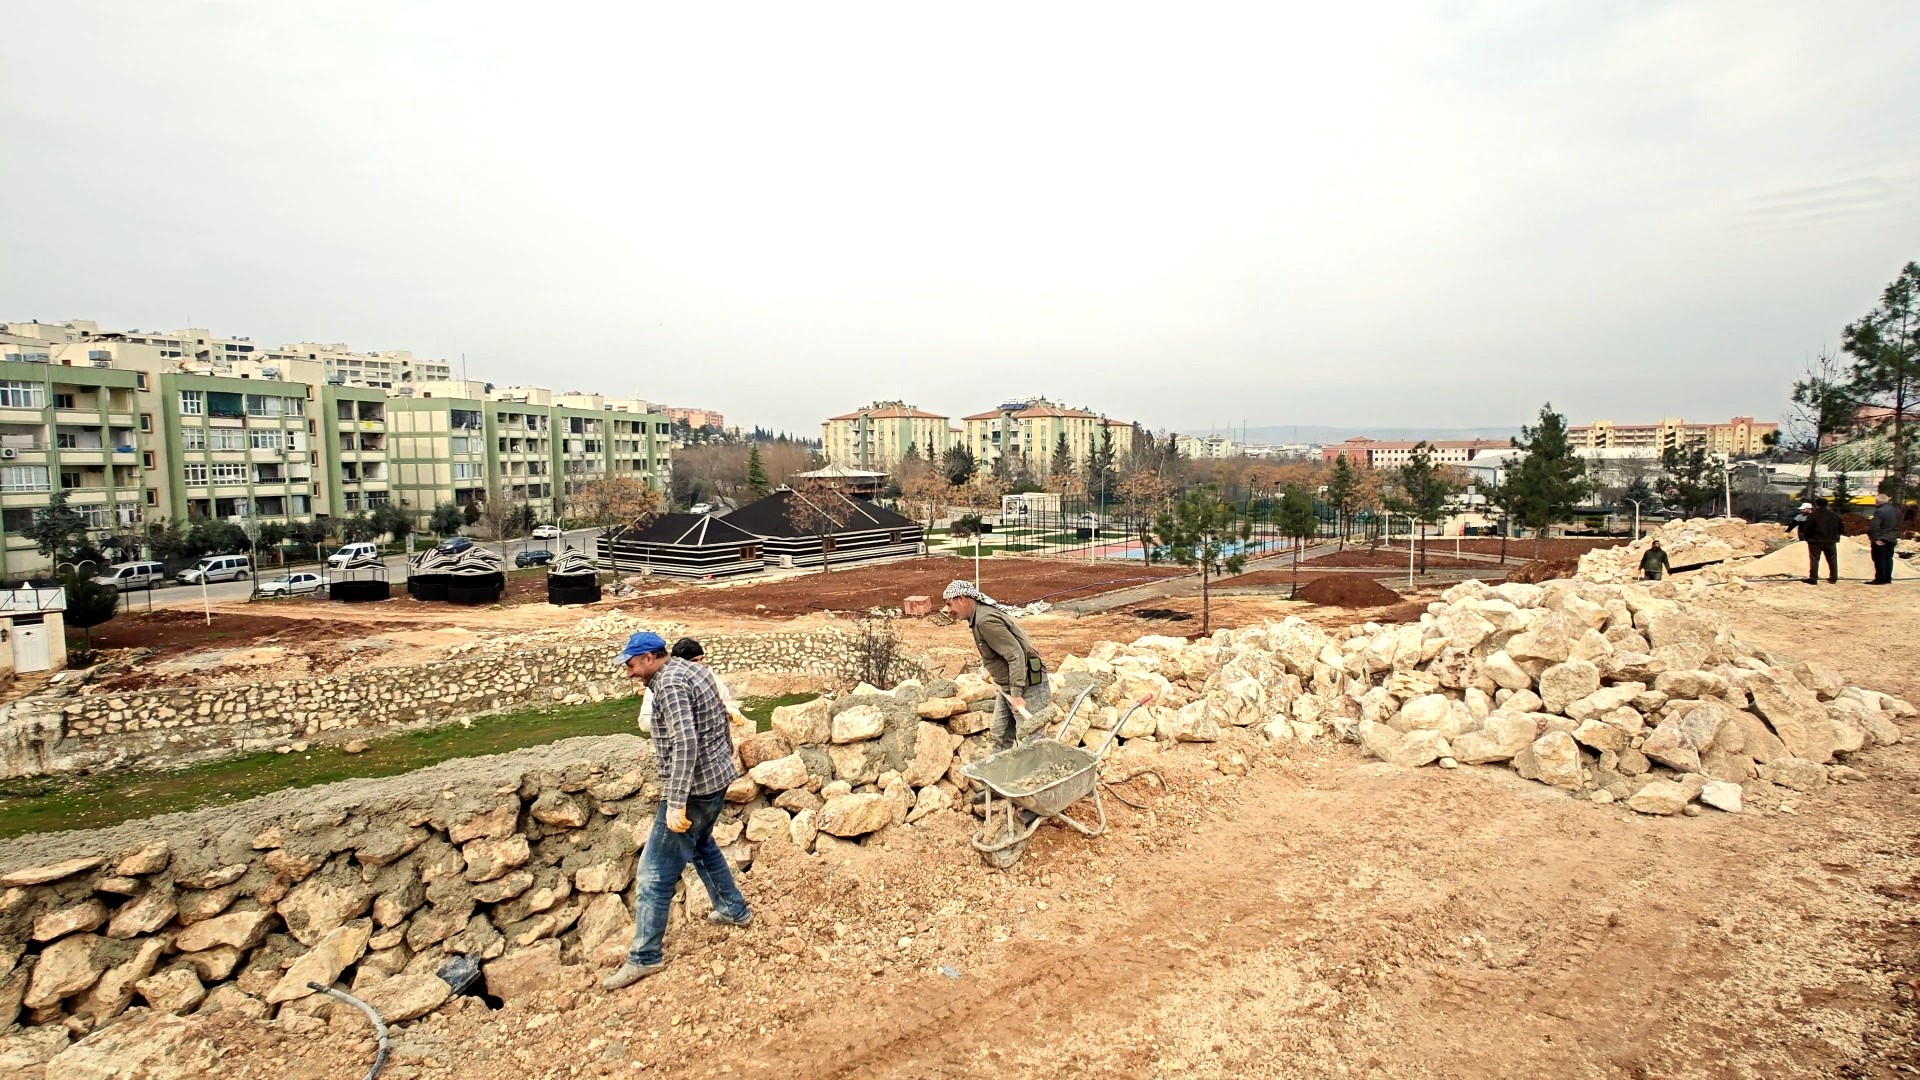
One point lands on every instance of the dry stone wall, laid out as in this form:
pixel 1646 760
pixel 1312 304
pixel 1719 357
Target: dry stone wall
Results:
pixel 165 726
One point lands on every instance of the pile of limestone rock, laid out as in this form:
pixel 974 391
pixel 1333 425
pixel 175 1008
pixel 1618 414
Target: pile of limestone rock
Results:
pixel 1717 545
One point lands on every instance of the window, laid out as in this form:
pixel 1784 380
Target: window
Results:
pixel 126 515
pixel 24 478
pixel 192 438
pixel 63 401
pixel 464 419
pixel 153 496
pixel 267 440
pixel 350 500
pixel 15 394
pixel 140 378
pixel 462 444
pixel 192 403
pixel 468 470
pixel 66 440
pixel 96 516
pixel 226 439
pixel 16 518
pixel 224 404
pixel 194 473
pixel 69 480
pixel 229 473
pixel 264 405
pixel 146 421
pixel 295 406
pixel 146 459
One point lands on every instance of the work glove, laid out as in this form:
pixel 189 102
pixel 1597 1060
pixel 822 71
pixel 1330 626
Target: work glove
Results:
pixel 677 820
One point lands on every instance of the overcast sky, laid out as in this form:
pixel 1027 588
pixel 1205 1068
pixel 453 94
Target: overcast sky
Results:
pixel 1420 213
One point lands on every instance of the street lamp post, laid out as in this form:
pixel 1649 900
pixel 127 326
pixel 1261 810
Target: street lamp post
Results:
pixel 1636 516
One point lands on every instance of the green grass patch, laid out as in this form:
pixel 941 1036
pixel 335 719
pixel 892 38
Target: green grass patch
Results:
pixel 55 804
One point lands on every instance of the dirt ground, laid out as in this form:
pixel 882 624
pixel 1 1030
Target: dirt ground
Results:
pixel 1393 559
pixel 1324 915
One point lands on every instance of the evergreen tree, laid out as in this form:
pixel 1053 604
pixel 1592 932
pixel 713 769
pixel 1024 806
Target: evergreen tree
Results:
pixel 1203 532
pixel 1550 480
pixel 957 464
pixel 1343 491
pixel 757 481
pixel 446 519
pixel 1885 346
pixel 1690 481
pixel 1423 494
pixel 89 603
pixel 1101 473
pixel 1297 520
pixel 1062 458
pixel 58 531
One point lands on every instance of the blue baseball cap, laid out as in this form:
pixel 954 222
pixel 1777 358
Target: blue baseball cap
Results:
pixel 646 641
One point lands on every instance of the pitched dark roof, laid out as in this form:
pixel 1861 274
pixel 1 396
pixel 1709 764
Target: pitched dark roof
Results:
pixel 775 516
pixel 686 530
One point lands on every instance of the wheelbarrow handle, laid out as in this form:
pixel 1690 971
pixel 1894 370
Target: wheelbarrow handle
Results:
pixel 1062 730
pixel 1117 725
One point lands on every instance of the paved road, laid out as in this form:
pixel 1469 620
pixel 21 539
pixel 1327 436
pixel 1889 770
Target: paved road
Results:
pixel 227 592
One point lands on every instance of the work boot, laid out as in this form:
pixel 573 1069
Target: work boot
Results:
pixel 718 919
pixel 629 973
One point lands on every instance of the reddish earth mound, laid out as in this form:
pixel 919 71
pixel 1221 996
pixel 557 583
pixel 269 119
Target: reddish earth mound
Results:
pixel 1853 524
pixel 1547 570
pixel 1348 591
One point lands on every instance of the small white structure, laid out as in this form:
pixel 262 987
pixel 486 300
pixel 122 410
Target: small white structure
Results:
pixel 33 631
pixel 1020 509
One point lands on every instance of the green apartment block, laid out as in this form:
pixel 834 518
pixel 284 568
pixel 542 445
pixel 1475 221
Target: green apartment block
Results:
pixel 353 440
pixel 78 427
pixel 437 451
pixel 236 448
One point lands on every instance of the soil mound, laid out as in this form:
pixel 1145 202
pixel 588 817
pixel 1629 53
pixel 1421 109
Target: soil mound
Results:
pixel 1348 591
pixel 1546 570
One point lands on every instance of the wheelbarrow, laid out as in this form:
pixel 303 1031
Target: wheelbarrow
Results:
pixel 1036 782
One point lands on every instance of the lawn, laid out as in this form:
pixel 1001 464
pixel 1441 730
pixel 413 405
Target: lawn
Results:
pixel 55 804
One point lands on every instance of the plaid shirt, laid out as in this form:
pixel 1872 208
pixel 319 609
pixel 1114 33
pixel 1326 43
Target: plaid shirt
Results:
pixel 690 737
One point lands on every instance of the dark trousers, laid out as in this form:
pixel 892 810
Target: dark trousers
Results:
pixel 1883 562
pixel 1817 550
pixel 667 854
pixel 1006 727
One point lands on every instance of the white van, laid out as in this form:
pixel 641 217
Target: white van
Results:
pixel 133 575
pixel 353 553
pixel 216 568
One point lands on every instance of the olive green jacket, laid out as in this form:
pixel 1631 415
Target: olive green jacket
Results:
pixel 1004 647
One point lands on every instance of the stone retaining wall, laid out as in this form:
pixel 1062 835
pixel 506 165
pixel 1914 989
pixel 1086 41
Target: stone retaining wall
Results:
pixel 165 726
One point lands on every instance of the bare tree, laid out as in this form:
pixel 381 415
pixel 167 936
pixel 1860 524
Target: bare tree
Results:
pixel 822 509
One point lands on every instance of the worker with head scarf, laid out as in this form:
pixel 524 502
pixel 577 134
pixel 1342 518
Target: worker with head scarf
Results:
pixel 1011 661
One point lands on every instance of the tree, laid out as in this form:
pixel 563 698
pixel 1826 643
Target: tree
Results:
pixel 470 513
pixel 358 529
pixel 1423 494
pixel 1141 496
pixel 522 519
pixel 1690 480
pixel 1822 408
pixel 1641 496
pixel 613 502
pixel 446 520
pixel 757 482
pixel 1062 464
pixel 1299 522
pixel 1101 469
pixel 1550 480
pixel 1203 532
pixel 393 521
pixel 957 464
pixel 821 508
pixel 1842 492
pixel 58 531
pixel 927 492
pixel 273 535
pixel 1885 346
pixel 89 603
pixel 1342 494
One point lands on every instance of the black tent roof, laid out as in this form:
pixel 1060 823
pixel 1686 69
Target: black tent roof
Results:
pixel 686 530
pixel 774 515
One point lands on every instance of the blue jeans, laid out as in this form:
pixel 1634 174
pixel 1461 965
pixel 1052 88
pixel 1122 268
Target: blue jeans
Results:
pixel 661 862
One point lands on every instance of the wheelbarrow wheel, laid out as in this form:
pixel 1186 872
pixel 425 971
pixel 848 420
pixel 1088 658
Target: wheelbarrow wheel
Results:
pixel 1006 856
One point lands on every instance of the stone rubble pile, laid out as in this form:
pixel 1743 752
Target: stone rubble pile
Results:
pixel 1722 542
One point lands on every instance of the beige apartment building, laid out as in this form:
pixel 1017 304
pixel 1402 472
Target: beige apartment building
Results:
pixel 881 435
pixel 1031 430
pixel 1742 436
pixel 1365 453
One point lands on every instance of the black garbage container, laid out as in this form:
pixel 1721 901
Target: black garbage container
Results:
pixel 475 588
pixel 428 586
pixel 359 592
pixel 565 589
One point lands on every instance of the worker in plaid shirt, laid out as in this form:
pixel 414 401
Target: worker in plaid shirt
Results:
pixel 695 754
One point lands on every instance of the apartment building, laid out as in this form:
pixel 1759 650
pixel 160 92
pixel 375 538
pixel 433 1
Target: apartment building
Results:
pixel 696 418
pixel 880 435
pixel 139 426
pixel 1741 436
pixel 1205 447
pixel 1030 431
pixel 1365 453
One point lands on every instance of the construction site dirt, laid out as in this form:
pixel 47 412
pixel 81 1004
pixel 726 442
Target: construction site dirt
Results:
pixel 1322 914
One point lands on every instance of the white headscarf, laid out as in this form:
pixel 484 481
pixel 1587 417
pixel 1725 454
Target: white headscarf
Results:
pixel 966 588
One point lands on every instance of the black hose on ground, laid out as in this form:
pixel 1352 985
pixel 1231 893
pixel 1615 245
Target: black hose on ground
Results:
pixel 379 1028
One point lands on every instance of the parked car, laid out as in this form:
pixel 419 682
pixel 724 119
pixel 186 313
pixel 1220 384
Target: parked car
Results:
pixel 132 575
pixel 454 545
pixel 291 585
pixel 700 508
pixel 547 532
pixel 351 552
pixel 216 568
pixel 532 558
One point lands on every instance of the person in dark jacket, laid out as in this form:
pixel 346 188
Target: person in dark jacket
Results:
pixel 1883 531
pixel 1822 534
pixel 1654 564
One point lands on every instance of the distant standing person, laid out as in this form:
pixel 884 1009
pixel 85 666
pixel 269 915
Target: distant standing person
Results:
pixel 695 754
pixel 1654 564
pixel 1883 531
pixel 1010 659
pixel 1822 534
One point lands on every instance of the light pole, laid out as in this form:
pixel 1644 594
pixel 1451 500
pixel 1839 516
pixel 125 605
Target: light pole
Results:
pixel 1726 482
pixel 1636 515
pixel 1409 547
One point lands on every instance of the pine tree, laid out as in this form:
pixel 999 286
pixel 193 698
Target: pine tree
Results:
pixel 1423 494
pixel 1342 492
pixel 1062 458
pixel 1101 473
pixel 757 475
pixel 1550 480
pixel 1299 522
pixel 1885 346
pixel 1203 532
